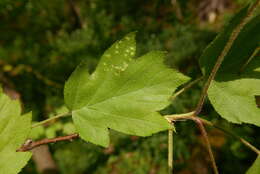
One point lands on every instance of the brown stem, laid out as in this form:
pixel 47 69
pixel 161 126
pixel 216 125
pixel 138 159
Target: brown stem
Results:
pixel 190 116
pixel 205 137
pixel 29 144
pixel 224 52
pixel 243 141
pixel 197 120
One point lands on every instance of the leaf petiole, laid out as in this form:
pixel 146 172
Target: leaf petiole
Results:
pixel 51 119
pixel 186 87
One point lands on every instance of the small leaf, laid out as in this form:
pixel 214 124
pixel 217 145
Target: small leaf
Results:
pixel 234 96
pixel 233 91
pixel 13 132
pixel 123 93
pixel 255 168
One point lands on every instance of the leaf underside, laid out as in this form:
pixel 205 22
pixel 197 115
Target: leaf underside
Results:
pixel 233 91
pixel 123 93
pixel 14 129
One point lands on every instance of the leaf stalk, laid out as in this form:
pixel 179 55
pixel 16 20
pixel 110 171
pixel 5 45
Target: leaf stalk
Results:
pixel 188 86
pixel 44 122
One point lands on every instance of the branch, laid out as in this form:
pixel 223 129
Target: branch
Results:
pixel 243 141
pixel 205 136
pixel 170 151
pixel 199 122
pixel 175 117
pixel 44 122
pixel 190 116
pixel 29 144
pixel 224 52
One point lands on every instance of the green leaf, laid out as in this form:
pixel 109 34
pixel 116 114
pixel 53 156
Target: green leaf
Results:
pixel 123 93
pixel 255 168
pixel 233 91
pixel 13 132
pixel 234 58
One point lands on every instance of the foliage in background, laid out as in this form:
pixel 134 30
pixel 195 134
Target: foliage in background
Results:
pixel 43 41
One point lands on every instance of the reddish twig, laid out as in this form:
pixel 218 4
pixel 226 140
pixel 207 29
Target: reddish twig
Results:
pixel 199 122
pixel 243 141
pixel 191 116
pixel 205 137
pixel 29 144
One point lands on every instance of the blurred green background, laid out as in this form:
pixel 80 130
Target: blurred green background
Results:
pixel 41 42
